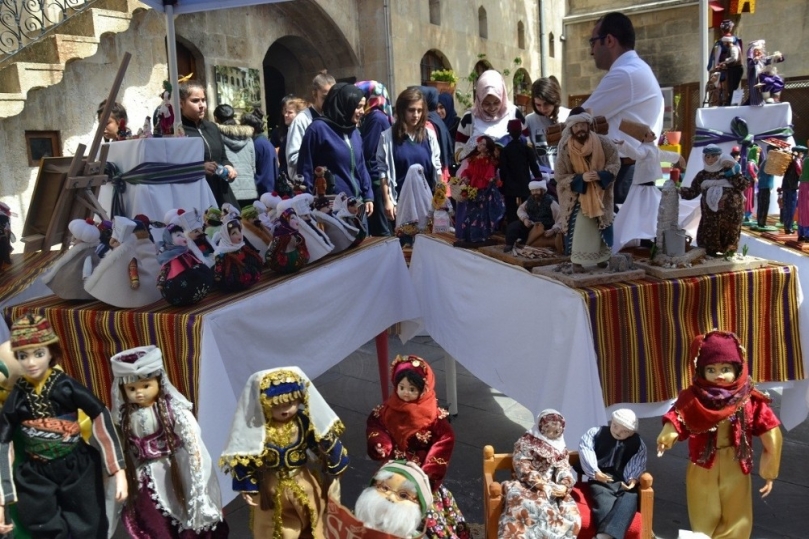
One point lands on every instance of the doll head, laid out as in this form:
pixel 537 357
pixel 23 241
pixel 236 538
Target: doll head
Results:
pixel 623 424
pixel 726 26
pixel 213 217
pixel 35 345
pixel 282 393
pixel 84 231
pixel 411 375
pixel 234 231
pixel 538 188
pixel 711 154
pixel 514 128
pixel 485 145
pixel 142 392
pixel 551 424
pixel 719 357
pixel 177 236
pixel 122 228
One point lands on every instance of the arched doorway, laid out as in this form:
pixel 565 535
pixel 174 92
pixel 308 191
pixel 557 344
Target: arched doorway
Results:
pixel 274 92
pixel 432 60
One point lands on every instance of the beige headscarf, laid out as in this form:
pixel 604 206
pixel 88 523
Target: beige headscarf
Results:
pixel 592 201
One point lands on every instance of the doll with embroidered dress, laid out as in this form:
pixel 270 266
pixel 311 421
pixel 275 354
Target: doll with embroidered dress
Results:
pixel 184 278
pixel 410 425
pixel 6 235
pixel 719 414
pixel 317 241
pixel 67 275
pixel 282 431
pixel 173 490
pixel 287 252
pixel 478 218
pixel 237 264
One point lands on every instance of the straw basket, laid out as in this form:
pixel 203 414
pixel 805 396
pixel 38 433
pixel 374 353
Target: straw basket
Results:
pixel 777 162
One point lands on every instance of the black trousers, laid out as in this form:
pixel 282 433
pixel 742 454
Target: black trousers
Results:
pixel 63 498
pixel 516 230
pixel 378 224
pixel 623 181
pixel 613 508
pixel 512 204
pixel 763 206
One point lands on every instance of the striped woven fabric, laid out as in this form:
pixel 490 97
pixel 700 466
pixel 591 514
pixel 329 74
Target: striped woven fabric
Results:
pixel 642 330
pixel 92 332
pixel 24 269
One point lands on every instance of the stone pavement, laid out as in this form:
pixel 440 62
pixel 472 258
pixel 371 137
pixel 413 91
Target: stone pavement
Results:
pixel 486 416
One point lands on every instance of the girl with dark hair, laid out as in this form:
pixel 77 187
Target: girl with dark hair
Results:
pixel 410 425
pixel 333 141
pixel 173 490
pixel 267 169
pixel 546 100
pixel 219 171
pixel 240 151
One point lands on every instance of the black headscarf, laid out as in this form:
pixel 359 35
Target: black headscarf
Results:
pixel 445 143
pixel 338 110
pixel 451 119
pixel 430 97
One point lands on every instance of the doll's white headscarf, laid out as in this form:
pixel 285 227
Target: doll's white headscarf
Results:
pixel 247 431
pixel 148 365
pixel 559 443
pixel 415 200
pixel 225 244
pixel 122 228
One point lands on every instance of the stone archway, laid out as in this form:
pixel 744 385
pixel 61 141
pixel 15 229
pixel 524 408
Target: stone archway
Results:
pixel 289 65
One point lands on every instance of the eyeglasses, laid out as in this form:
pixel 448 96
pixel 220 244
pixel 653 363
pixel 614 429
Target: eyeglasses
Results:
pixel 400 494
pixel 592 40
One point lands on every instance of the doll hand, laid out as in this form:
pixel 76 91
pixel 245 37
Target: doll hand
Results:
pixel 601 477
pixel 121 488
pixel 4 528
pixel 629 486
pixel 527 222
pixel 590 176
pixel 248 499
pixel 232 174
pixel 765 490
pixel 550 232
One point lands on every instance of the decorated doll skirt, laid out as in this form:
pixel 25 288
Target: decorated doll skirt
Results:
pixel 445 519
pixel 189 286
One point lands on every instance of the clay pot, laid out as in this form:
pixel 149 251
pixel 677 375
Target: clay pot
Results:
pixel 442 86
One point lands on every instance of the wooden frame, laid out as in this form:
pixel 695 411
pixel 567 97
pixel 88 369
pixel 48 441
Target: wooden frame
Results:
pixel 34 154
pixel 493 492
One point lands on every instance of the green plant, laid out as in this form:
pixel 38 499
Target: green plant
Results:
pixel 444 75
pixel 675 112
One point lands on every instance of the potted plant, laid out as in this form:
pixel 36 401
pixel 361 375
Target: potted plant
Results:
pixel 674 136
pixel 444 80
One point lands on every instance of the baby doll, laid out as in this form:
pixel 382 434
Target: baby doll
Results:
pixel 613 458
pixel 397 500
pixel 287 253
pixel 126 276
pixel 58 485
pixel 183 279
pixel 719 413
pixel 441 209
pixel 410 425
pixel 238 265
pixel 721 185
pixel 281 422
pixel 67 275
pixel 173 490
pixel 538 501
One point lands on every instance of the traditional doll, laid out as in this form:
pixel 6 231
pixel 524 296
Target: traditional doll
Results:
pixel 317 242
pixel 538 500
pixel 165 112
pixel 352 212
pixel 126 276
pixel 759 81
pixel 105 229
pixel 213 222
pixel 340 233
pixel 67 275
pixel 441 211
pixel 537 221
pixel 413 205
pixel 200 246
pixel 184 279
pixel 281 422
pixel 271 201
pixel 254 232
pixel 287 253
pixel 482 214
pixel 637 219
pixel 751 175
pixel 803 195
pixel 721 186
pixel 410 425
pixel 173 491
pixel 6 235
pixel 238 265
pixel 719 413
pixel 397 501
pixel 58 485
pixel 613 457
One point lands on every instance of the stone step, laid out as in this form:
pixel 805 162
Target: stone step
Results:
pixel 11 104
pixel 99 22
pixel 20 77
pixel 58 49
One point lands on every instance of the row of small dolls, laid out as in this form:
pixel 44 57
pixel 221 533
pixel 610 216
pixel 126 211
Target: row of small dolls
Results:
pixel 226 250
pixel 81 468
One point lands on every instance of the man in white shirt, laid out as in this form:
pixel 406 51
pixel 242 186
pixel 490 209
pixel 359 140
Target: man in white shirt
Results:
pixel 629 90
pixel 321 85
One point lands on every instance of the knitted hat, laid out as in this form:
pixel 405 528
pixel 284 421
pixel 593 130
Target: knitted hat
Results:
pixel 636 130
pixel 413 473
pixel 626 418
pixel 717 347
pixel 137 364
pixel 84 230
pixel 537 184
pixel 122 227
pixel 712 149
pixel 32 331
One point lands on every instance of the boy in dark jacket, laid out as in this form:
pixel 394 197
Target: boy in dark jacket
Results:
pixel 517 166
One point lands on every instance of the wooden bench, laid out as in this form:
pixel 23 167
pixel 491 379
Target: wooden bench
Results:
pixel 493 502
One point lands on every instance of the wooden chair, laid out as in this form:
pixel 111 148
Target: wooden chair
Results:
pixel 493 502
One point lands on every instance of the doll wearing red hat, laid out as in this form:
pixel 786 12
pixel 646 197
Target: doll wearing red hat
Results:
pixel 719 413
pixel 411 426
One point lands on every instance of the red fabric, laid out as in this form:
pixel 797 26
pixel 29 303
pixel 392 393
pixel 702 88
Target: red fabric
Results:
pixel 479 172
pixel 404 419
pixel 719 348
pixel 589 528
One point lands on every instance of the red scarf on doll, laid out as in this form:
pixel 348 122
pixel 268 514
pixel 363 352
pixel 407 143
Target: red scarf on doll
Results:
pixel 404 419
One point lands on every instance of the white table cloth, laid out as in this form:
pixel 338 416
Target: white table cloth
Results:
pixel 155 200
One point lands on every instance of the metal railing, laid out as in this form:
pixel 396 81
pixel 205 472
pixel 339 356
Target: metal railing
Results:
pixel 25 21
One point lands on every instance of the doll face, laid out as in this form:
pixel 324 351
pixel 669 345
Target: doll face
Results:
pixel 143 392
pixel 178 238
pixel 710 158
pixel 537 193
pixel 407 391
pixel 235 235
pixel 649 136
pixel 619 432
pixel 394 490
pixel 35 362
pixel 481 146
pixel 114 243
pixel 285 411
pixel 720 373
pixel 552 429
pixel 195 234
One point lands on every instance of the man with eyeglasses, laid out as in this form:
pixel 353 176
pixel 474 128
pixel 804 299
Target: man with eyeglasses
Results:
pixel 629 90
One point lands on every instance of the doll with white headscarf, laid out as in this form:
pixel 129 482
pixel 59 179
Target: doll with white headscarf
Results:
pixel 538 501
pixel 721 185
pixel 173 490
pixel 237 265
pixel 67 275
pixel 281 425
